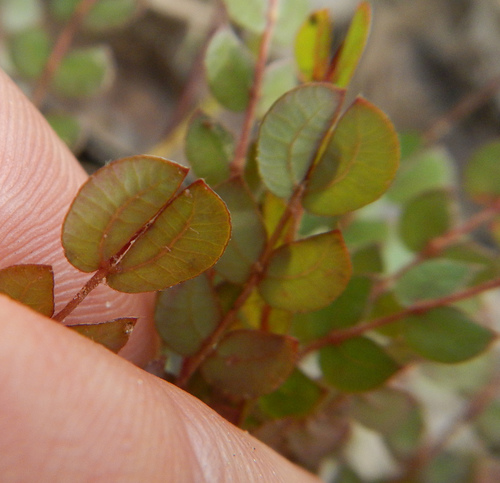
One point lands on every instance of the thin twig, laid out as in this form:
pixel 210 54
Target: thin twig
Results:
pixel 97 278
pixel 60 49
pixel 475 407
pixel 338 336
pixel 437 245
pixel 238 163
pixel 464 108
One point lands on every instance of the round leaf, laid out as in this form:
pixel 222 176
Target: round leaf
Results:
pixel 279 77
pixel 356 365
pixel 433 279
pixel 112 335
pixel 209 148
pixel 113 205
pixel 292 132
pixel 84 72
pixel 230 69
pixel 187 238
pixel 425 217
pixel 482 176
pixel 30 50
pixel 307 274
pixel 297 396
pixel 250 14
pixel 32 285
pixel 248 233
pixel 358 165
pixel 187 314
pixel 446 334
pixel 248 363
pixel 104 15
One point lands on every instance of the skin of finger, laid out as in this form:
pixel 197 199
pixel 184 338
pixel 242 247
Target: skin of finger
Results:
pixel 71 410
pixel 39 178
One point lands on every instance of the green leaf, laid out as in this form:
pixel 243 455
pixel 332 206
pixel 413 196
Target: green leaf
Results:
pixel 103 16
pixel 84 72
pixel 433 279
pixel 186 239
pixel 279 77
pixel 230 70
pixel 431 169
pixel 248 232
pixel 488 425
pixel 392 413
pixel 356 365
pixel 367 260
pixel 126 220
pixel 112 335
pixel 114 204
pixel 256 314
pixel 292 132
pixel 209 148
pixel 248 363
pixel 482 175
pixel 361 232
pixel 307 274
pixel 426 217
pixel 358 164
pixel 291 14
pixel 312 46
pixel 18 15
pixel 344 312
pixel 68 128
pixel 446 334
pixel 187 314
pixel 32 285
pixel 351 50
pixel 297 396
pixel 30 50
pixel 250 14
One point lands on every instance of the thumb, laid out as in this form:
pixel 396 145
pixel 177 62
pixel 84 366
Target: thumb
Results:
pixel 39 178
pixel 71 410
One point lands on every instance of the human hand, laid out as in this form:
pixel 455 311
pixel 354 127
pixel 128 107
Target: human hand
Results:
pixel 71 410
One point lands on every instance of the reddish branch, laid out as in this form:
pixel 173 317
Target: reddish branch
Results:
pixel 238 163
pixel 338 336
pixel 97 278
pixel 60 49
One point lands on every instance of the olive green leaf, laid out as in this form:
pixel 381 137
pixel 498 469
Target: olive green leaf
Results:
pixel 249 363
pixel 426 217
pixel 84 72
pixel 350 52
pixel 32 285
pixel 293 131
pixel 230 69
pixel 482 175
pixel 313 45
pixel 358 164
pixel 129 221
pixel 248 232
pixel 308 274
pixel 209 148
pixel 446 334
pixel 297 396
pixel 187 314
pixel 356 365
pixel 113 334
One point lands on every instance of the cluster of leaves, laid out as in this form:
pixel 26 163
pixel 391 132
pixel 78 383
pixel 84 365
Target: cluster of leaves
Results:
pixel 289 299
pixel 35 36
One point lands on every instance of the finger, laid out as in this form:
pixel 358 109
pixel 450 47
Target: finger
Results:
pixel 72 411
pixel 39 178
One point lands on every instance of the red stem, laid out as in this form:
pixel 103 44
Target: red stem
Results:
pixel 60 49
pixel 97 278
pixel 238 163
pixel 338 336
